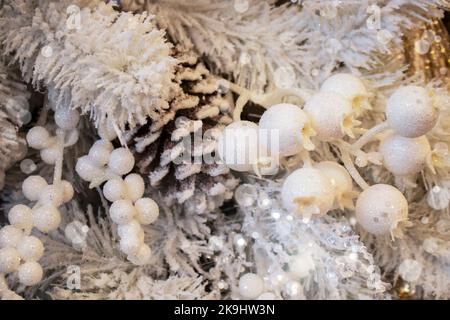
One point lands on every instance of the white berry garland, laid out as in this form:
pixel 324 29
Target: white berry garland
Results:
pixel 19 250
pixel 129 208
pixel 330 115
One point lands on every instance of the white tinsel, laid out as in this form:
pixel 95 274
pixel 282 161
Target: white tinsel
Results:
pixel 341 265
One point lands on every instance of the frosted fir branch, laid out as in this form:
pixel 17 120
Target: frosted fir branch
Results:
pixel 107 64
pixel 337 264
pixel 262 45
pixel 119 285
pixel 13 108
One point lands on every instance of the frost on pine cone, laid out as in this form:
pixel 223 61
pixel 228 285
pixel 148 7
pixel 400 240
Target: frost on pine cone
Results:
pixel 167 151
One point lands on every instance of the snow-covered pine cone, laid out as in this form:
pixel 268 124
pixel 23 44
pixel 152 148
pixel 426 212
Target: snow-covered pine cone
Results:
pixel 200 105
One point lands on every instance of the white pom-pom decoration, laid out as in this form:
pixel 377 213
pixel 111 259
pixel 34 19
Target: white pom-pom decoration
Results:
pixel 21 217
pixel 331 115
pixel 9 260
pixel 30 248
pixel 135 186
pixel 114 189
pixel 380 208
pixel 100 152
pixel 10 236
pixel 121 161
pixel 238 145
pixel 87 169
pixel 67 190
pixel 147 210
pixel 50 155
pixel 30 273
pixel 52 194
pixel 32 187
pixel 142 256
pixel 251 286
pixel 122 211
pixel 410 111
pixel 46 218
pixel 340 180
pixel 307 192
pixel 292 126
pixel 349 86
pixel 405 156
pixel 67 119
pixel 38 138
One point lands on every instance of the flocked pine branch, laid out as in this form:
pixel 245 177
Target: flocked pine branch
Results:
pixel 262 44
pixel 107 64
pixel 13 108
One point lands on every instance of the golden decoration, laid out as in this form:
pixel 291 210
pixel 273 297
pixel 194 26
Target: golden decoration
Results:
pixel 427 51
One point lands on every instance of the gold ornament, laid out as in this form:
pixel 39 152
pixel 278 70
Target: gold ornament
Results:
pixel 427 52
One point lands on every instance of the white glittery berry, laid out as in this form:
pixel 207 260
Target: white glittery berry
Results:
pixel 142 256
pixel 46 218
pixel 114 189
pixel 251 286
pixel 130 229
pixel 32 187
pixel 38 138
pixel 30 273
pixel 130 244
pixel 100 152
pixel 291 124
pixel 67 119
pixel 21 217
pixel 52 194
pixel 307 192
pixel 410 111
pixel 68 191
pixel 10 236
pixel 340 180
pixel 122 211
pixel 405 156
pixel 9 260
pixel 30 248
pixel 50 154
pixel 135 186
pixel 147 210
pixel 380 208
pixel 330 114
pixel 87 169
pixel 350 87
pixel 238 145
pixel 121 161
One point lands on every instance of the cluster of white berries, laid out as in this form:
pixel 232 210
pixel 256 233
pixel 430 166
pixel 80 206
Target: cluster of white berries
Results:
pixel 39 138
pixel 329 115
pixel 286 129
pixel 19 250
pixel 129 208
